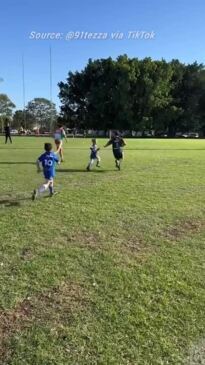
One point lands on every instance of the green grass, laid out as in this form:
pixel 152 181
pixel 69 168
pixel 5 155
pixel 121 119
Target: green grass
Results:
pixel 111 270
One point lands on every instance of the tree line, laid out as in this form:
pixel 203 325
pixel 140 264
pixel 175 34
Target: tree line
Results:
pixel 40 113
pixel 123 94
pixel 132 94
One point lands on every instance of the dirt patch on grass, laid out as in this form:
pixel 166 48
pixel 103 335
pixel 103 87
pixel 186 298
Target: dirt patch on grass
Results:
pixel 26 254
pixel 59 303
pixel 84 239
pixel 183 228
pixel 130 245
pixel 126 241
pixel 55 306
pixel 88 239
pixel 196 355
pixel 122 241
pixel 11 322
pixel 128 248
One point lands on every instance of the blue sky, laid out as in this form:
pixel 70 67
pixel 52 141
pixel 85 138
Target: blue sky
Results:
pixel 178 25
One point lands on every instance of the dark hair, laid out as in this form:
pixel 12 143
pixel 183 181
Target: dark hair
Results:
pixel 48 147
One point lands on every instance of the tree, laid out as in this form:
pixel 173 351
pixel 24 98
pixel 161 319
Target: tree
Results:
pixel 135 94
pixel 150 92
pixel 43 113
pixel 23 118
pixel 6 108
pixel 188 86
pixel 97 97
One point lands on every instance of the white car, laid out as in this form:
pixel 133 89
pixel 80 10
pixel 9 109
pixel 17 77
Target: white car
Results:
pixel 190 135
pixel 193 135
pixel 14 131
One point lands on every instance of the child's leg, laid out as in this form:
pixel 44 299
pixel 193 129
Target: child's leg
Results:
pixel 44 187
pixel 59 149
pixel 57 145
pixel 90 164
pixel 98 161
pixel 61 154
pixel 41 189
pixel 51 187
pixel 121 159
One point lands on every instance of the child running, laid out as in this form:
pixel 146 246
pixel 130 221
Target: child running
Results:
pixel 117 143
pixel 59 136
pixel 94 155
pixel 48 161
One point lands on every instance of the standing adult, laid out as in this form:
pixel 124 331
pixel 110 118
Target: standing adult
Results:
pixel 7 132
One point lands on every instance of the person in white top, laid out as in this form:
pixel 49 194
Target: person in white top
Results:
pixel 59 136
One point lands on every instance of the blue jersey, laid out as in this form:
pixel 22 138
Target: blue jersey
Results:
pixel 94 152
pixel 48 161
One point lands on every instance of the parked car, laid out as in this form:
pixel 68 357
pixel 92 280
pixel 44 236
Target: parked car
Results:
pixel 14 131
pixel 190 135
pixel 193 135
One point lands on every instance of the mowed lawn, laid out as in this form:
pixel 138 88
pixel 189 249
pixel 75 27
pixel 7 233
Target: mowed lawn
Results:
pixel 111 270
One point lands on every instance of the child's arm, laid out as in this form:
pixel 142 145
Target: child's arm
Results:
pixel 64 134
pixel 109 142
pixel 56 158
pixel 38 164
pixel 123 143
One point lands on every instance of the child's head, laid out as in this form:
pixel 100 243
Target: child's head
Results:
pixel 48 147
pixel 93 140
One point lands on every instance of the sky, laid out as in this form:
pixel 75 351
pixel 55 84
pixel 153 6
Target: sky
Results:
pixel 173 28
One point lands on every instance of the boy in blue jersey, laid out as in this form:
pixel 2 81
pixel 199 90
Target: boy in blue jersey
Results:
pixel 117 143
pixel 48 161
pixel 94 155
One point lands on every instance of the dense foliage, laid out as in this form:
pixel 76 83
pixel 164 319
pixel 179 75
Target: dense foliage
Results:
pixel 133 94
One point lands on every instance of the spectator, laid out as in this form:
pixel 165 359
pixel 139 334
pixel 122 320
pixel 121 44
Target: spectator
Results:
pixel 7 132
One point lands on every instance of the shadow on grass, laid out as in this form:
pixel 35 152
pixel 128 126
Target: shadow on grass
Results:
pixel 164 149
pixel 17 163
pixel 13 202
pixel 81 170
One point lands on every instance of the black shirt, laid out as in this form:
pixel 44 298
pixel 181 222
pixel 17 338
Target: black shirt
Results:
pixel 7 130
pixel 117 143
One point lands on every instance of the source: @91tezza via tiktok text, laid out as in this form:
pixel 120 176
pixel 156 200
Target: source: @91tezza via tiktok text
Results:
pixel 85 35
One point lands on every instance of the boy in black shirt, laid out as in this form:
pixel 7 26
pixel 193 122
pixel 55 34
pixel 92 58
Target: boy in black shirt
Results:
pixel 117 143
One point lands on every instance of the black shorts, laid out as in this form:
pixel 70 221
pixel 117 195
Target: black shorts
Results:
pixel 118 154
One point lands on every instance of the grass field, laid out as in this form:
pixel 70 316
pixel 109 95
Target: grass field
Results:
pixel 111 270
